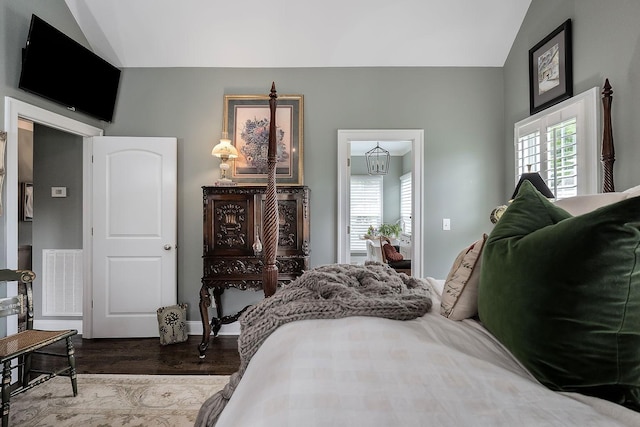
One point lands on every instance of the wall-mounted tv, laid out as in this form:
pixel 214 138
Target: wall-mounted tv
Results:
pixel 60 69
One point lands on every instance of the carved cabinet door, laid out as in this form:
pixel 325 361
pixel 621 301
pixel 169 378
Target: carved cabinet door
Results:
pixel 231 225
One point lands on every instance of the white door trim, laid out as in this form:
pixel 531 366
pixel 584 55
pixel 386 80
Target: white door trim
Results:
pixel 13 110
pixel 416 136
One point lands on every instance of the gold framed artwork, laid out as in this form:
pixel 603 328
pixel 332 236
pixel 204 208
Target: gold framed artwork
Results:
pixel 246 121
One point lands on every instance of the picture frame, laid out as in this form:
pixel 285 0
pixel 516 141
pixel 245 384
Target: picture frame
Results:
pixel 551 69
pixel 246 122
pixel 26 201
pixel 3 144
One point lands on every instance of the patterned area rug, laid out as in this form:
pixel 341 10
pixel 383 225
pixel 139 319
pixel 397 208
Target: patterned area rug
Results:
pixel 115 400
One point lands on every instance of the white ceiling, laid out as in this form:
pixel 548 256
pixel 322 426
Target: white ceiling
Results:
pixel 298 33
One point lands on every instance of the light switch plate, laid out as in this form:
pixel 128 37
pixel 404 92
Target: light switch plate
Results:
pixel 58 191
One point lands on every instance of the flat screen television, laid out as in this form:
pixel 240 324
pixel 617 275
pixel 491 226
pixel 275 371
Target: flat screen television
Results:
pixel 60 69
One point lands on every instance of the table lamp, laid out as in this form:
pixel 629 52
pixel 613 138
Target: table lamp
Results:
pixel 535 179
pixel 224 151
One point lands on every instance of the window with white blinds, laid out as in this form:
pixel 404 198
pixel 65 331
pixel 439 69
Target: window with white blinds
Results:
pixel 405 202
pixel 366 208
pixel 528 153
pixel 560 144
pixel 562 159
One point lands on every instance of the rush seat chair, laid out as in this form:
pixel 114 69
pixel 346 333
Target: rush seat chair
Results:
pixel 16 349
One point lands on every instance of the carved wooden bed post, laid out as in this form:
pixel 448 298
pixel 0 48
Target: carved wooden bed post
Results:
pixel 270 216
pixel 608 153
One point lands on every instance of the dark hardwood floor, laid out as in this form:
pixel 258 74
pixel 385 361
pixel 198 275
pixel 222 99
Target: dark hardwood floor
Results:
pixel 145 356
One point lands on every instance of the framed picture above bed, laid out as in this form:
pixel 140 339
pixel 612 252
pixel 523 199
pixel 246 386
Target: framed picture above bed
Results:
pixel 246 121
pixel 551 69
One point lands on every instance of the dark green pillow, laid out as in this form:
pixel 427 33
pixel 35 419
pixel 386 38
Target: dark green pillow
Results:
pixel 562 293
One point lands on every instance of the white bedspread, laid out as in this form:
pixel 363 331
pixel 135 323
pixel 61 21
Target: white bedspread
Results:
pixel 432 371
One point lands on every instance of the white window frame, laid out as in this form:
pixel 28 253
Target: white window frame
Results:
pixel 585 108
pixel 357 244
pixel 404 204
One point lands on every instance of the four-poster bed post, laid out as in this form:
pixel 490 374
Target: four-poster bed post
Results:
pixel 608 152
pixel 270 219
pixel 232 218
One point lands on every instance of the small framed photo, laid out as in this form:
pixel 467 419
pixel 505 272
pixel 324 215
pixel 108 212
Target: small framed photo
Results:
pixel 246 121
pixel 551 69
pixel 26 205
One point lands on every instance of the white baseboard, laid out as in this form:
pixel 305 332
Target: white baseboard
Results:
pixel 58 325
pixel 195 328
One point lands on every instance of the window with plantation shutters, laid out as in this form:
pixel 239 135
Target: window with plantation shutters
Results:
pixel 561 144
pixel 405 202
pixel 366 208
pixel 528 153
pixel 562 159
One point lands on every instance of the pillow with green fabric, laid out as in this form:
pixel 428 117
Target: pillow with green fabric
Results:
pixel 562 293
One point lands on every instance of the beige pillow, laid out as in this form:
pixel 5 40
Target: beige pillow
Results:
pixel 460 293
pixel 579 205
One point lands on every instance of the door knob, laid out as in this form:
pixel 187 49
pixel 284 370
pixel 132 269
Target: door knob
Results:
pixel 167 247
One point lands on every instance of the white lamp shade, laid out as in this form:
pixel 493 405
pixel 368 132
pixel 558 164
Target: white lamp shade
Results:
pixel 225 149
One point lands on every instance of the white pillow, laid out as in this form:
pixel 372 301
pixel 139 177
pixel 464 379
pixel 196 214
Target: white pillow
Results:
pixel 579 205
pixel 632 192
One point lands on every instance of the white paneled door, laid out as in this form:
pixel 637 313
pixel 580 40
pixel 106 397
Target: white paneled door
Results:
pixel 134 234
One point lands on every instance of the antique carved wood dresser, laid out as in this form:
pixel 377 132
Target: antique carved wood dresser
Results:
pixel 232 237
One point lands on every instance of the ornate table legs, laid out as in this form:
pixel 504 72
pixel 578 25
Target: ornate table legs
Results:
pixel 205 303
pixel 216 321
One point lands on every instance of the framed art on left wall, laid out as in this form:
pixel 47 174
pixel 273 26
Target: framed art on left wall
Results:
pixel 3 143
pixel 246 121
pixel 551 69
pixel 26 204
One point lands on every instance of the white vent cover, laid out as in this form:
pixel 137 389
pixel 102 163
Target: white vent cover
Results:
pixel 62 282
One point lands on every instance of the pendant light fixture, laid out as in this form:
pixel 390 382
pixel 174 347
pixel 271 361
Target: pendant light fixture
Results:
pixel 377 160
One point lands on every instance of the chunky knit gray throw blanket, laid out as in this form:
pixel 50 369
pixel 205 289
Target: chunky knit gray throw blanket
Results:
pixel 328 292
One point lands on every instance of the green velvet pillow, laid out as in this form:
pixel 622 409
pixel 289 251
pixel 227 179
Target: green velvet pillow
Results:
pixel 562 293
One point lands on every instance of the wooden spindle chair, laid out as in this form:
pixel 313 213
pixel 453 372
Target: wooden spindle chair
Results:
pixel 16 349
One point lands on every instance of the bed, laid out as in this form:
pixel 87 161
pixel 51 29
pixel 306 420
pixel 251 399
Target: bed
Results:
pixel 350 346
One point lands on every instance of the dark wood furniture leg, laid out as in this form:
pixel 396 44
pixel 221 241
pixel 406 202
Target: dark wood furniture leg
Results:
pixel 72 366
pixel 6 392
pixel 205 303
pixel 25 370
pixel 216 321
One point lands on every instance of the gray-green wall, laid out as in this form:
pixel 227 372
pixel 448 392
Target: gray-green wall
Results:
pixel 606 44
pixel 460 109
pixel 467 114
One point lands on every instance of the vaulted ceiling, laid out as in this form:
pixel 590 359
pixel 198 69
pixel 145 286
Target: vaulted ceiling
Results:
pixel 297 33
